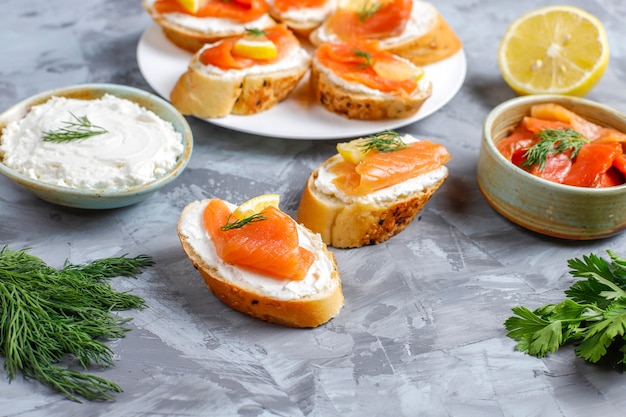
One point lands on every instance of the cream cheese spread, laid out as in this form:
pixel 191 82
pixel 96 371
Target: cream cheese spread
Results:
pixel 308 14
pixel 324 183
pixel 317 280
pixel 423 18
pixel 138 146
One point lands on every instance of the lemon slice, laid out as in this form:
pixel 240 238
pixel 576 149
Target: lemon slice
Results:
pixel 255 48
pixel 554 49
pixel 256 205
pixel 353 151
pixel 192 6
pixel 398 70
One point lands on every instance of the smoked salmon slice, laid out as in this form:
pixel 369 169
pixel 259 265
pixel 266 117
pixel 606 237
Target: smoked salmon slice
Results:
pixel 270 246
pixel 285 5
pixel 371 19
pixel 379 170
pixel 221 55
pixel 593 160
pixel 355 63
pixel 239 10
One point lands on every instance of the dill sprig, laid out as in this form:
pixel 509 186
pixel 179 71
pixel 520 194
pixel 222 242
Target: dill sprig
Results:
pixel 255 32
pixel 552 142
pixel 368 9
pixel 257 217
pixel 367 58
pixel 80 128
pixel 385 141
pixel 47 314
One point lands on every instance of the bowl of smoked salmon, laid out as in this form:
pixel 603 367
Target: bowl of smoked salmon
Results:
pixel 556 165
pixel 93 146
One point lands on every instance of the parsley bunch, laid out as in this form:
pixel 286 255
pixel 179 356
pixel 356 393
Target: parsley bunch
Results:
pixel 592 317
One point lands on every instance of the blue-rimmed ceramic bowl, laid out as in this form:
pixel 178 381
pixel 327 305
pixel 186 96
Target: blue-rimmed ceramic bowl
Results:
pixel 108 198
pixel 562 211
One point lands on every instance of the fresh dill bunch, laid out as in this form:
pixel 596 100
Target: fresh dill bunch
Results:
pixel 257 217
pixel 592 316
pixel 385 141
pixel 551 142
pixel 47 314
pixel 80 128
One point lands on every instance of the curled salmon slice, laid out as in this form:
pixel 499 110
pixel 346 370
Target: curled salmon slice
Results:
pixel 239 10
pixel 355 62
pixel 370 19
pixel 591 163
pixel 221 54
pixel 286 5
pixel 270 246
pixel 378 170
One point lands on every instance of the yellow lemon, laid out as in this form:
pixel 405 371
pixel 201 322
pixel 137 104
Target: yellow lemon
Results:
pixel 397 70
pixel 353 151
pixel 255 48
pixel 256 205
pixel 191 6
pixel 554 49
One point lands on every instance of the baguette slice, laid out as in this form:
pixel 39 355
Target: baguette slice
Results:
pixel 191 38
pixel 302 22
pixel 205 92
pixel 354 222
pixel 428 38
pixel 307 303
pixel 353 101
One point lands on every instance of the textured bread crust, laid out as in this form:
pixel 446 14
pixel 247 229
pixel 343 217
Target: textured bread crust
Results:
pixel 208 96
pixel 360 223
pixel 186 38
pixel 355 105
pixel 438 43
pixel 303 312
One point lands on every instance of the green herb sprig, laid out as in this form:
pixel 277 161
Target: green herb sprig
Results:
pixel 369 9
pixel 241 223
pixel 80 128
pixel 385 141
pixel 552 142
pixel 47 314
pixel 592 316
pixel 367 58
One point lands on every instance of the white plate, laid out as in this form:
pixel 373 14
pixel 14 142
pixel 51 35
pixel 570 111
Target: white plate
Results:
pixel 298 117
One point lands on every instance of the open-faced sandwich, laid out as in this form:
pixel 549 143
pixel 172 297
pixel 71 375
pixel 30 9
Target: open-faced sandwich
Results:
pixel 412 29
pixel 259 261
pixel 301 16
pixel 359 81
pixel 372 189
pixel 241 75
pixel 191 24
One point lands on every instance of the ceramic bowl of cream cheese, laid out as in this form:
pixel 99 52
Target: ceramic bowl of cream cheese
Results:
pixel 543 206
pixel 94 146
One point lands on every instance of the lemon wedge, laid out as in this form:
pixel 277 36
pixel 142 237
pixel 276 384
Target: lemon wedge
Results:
pixel 192 6
pixel 256 205
pixel 554 49
pixel 398 70
pixel 353 151
pixel 261 48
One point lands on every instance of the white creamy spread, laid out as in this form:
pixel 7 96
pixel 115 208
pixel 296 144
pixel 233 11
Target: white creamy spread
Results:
pixel 324 183
pixel 359 88
pixel 214 25
pixel 137 148
pixel 423 18
pixel 308 14
pixel 298 57
pixel 317 280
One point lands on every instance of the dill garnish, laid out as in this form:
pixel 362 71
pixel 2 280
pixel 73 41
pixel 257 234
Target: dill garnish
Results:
pixel 551 142
pixel 385 141
pixel 240 223
pixel 47 314
pixel 81 128
pixel 367 57
pixel 254 32
pixel 369 9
